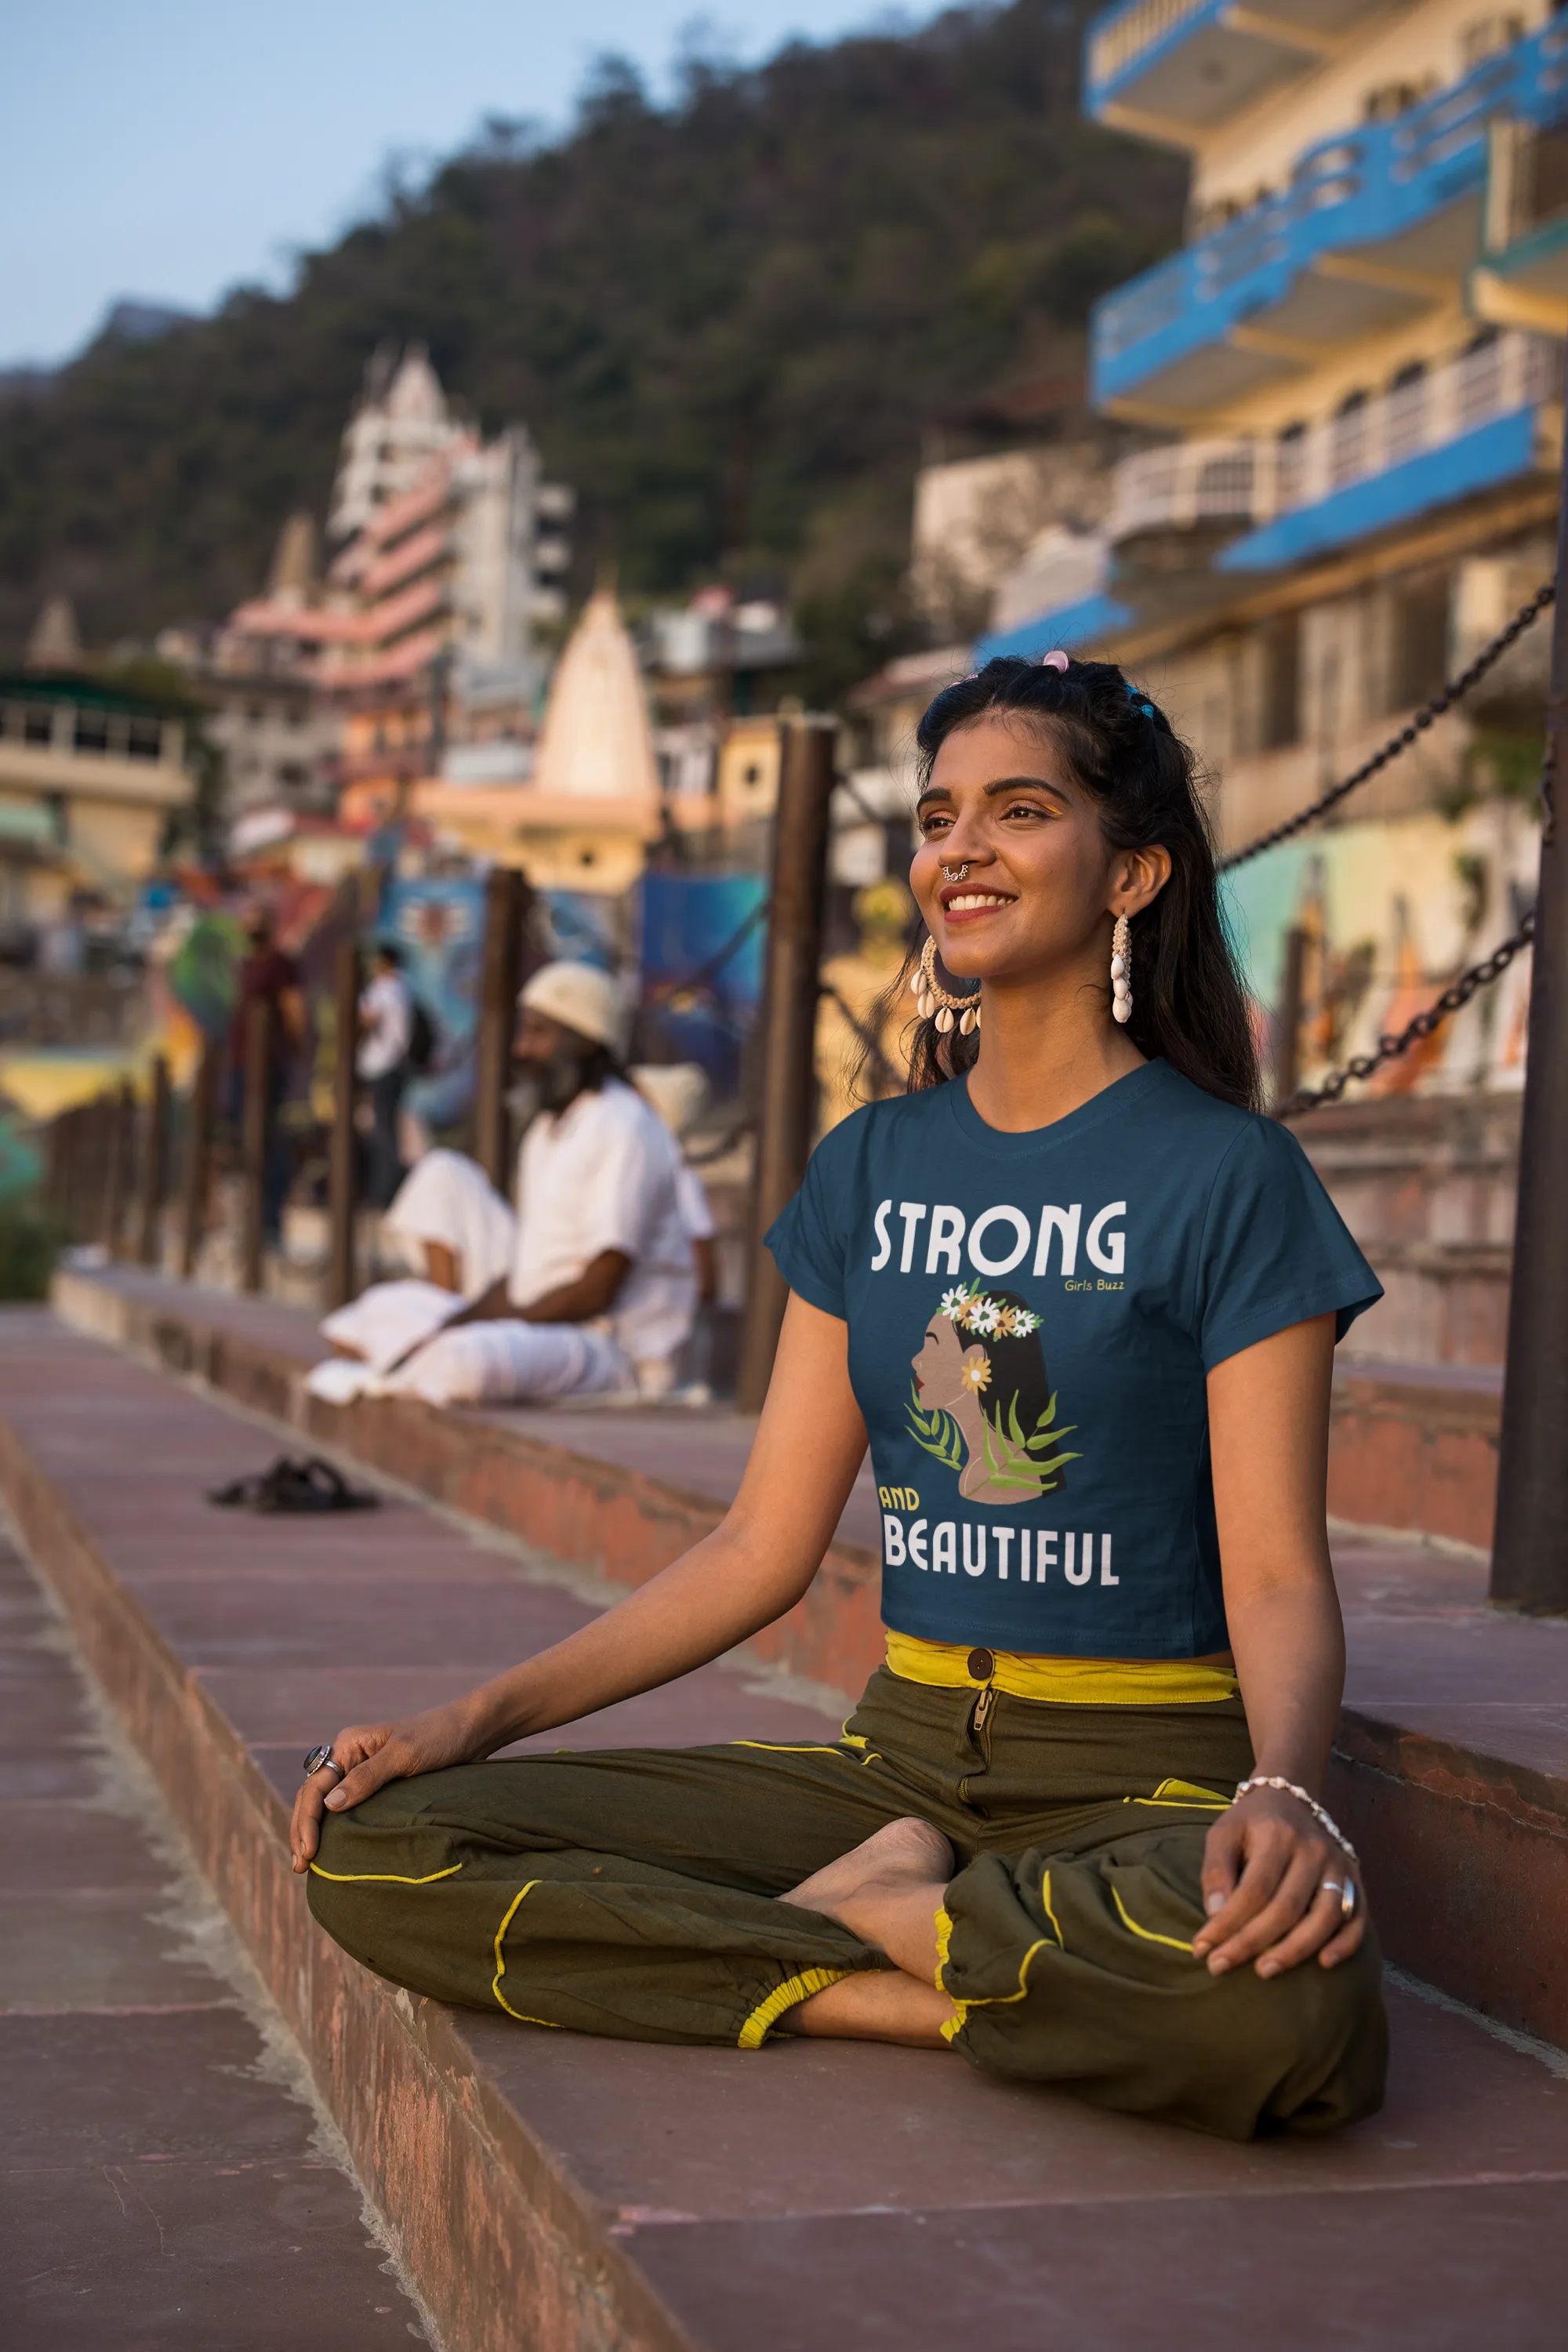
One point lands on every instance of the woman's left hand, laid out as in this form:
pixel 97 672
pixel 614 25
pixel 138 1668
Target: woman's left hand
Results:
pixel 1272 1880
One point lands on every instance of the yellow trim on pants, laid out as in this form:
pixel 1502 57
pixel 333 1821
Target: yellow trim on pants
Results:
pixel 1062 1682
pixel 522 2015
pixel 763 2019
pixel 384 1877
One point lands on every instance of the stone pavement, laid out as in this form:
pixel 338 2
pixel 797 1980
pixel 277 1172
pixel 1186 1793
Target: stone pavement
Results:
pixel 162 2189
pixel 555 2190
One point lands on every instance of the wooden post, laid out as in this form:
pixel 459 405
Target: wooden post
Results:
pixel 154 1169
pixel 788 1034
pixel 1288 1038
pixel 60 1171
pixel 1529 1557
pixel 342 1162
pixel 507 898
pixel 82 1165
pixel 255 1142
pixel 196 1173
pixel 120 1140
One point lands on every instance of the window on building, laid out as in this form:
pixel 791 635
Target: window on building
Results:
pixel 1349 439
pixel 1389 99
pixel 1485 35
pixel 38 726
pixel 1406 409
pixel 92 731
pixel 1280 682
pixel 1543 190
pixel 1289 463
pixel 144 739
pixel 1418 647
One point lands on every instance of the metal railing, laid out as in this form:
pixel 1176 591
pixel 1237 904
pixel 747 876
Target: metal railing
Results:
pixel 1124 34
pixel 1197 482
pixel 1356 189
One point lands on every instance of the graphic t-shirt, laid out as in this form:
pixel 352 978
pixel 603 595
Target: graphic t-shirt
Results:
pixel 1031 1321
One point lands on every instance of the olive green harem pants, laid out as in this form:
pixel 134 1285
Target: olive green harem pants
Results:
pixel 632 1893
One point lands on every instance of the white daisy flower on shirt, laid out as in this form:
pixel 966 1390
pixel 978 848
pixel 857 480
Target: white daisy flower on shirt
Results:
pixel 955 1301
pixel 984 1317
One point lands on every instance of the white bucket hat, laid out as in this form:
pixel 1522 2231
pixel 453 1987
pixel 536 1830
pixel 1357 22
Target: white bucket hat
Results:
pixel 583 998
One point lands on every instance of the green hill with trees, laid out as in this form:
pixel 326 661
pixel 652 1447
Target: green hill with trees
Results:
pixel 730 321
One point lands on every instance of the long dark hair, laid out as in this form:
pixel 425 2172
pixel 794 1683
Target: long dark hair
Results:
pixel 1188 1003
pixel 1017 1364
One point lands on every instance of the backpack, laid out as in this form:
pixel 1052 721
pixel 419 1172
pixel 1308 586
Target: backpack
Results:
pixel 422 1040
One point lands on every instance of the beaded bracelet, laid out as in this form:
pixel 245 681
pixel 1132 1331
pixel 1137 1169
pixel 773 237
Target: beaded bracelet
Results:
pixel 1289 1789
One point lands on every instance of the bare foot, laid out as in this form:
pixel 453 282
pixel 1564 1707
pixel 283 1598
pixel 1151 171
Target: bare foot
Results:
pixel 887 1892
pixel 905 1849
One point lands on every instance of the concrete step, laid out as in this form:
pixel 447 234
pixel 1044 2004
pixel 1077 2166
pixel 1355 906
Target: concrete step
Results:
pixel 166 2186
pixel 551 2190
pixel 622 1492
pixel 1412 1449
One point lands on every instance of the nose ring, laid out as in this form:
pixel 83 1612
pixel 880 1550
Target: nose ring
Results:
pixel 955 873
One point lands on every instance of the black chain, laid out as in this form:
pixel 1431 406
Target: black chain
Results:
pixel 1454 691
pixel 1457 994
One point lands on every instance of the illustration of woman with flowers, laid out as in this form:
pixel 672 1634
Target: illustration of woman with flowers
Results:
pixel 980 1387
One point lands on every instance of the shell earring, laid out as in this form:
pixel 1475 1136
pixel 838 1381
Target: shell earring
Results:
pixel 934 1002
pixel 1121 971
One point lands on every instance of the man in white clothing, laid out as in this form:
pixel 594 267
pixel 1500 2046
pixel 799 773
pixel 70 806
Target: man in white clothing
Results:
pixel 601 1290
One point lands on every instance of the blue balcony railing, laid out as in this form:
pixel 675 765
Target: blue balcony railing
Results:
pixel 1363 189
pixel 1126 41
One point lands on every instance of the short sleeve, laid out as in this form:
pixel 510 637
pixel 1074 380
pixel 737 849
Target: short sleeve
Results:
pixel 807 1238
pixel 1274 1250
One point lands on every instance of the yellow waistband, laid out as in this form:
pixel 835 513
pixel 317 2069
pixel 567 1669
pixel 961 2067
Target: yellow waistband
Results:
pixel 1063 1682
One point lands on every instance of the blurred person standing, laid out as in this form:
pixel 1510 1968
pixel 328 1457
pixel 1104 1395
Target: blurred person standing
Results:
pixel 269 976
pixel 679 1093
pixel 387 1031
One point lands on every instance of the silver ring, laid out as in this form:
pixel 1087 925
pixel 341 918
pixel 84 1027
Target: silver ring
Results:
pixel 322 1759
pixel 1346 1890
pixel 956 873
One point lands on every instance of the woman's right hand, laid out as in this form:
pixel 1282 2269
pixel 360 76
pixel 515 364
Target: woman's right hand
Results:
pixel 376 1753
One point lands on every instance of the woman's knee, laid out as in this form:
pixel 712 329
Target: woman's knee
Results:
pixel 1235 2055
pixel 1325 2059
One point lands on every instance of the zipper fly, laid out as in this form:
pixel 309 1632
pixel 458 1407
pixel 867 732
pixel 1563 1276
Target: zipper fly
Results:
pixel 977 1723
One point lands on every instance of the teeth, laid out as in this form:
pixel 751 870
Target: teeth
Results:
pixel 976 898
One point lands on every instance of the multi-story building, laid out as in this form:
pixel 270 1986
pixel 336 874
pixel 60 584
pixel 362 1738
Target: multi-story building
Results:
pixel 91 779
pixel 424 639
pixel 1350 377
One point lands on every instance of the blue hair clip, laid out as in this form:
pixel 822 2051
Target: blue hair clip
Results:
pixel 1139 702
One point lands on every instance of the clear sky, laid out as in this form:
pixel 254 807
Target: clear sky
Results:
pixel 167 150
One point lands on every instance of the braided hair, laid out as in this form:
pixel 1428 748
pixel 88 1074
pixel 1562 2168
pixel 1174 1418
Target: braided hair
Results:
pixel 1188 1002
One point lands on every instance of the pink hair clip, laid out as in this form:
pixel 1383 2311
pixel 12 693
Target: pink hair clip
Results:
pixel 1055 660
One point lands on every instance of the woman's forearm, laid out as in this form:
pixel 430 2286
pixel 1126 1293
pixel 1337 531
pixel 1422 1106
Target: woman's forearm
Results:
pixel 1289 1649
pixel 717 1594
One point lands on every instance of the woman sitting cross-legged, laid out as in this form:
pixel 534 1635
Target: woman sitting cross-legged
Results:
pixel 1081 1300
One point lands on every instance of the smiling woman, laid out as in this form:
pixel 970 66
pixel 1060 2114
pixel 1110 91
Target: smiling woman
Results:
pixel 1114 749
pixel 1073 1829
